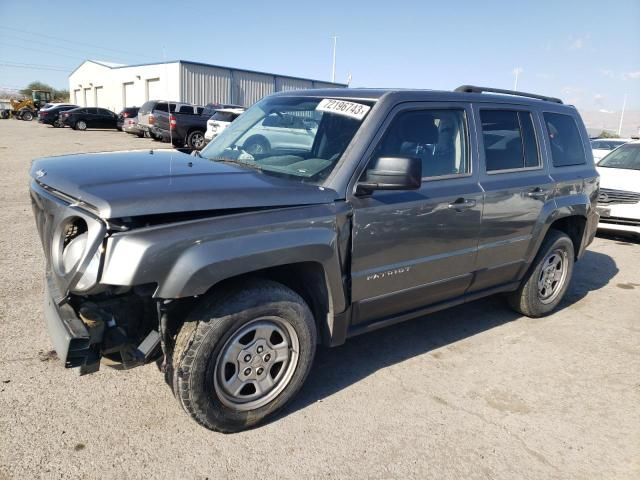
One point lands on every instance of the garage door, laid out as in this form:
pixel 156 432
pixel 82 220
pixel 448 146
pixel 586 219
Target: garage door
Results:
pixel 153 89
pixel 100 98
pixel 127 95
pixel 87 97
pixel 76 96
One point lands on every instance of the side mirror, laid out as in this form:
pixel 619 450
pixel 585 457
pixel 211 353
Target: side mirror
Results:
pixel 391 173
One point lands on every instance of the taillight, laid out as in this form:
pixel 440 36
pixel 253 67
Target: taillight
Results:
pixel 172 122
pixel 125 114
pixel 152 119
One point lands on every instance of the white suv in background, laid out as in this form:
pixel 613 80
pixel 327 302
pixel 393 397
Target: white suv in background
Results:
pixel 221 120
pixel 602 146
pixel 619 200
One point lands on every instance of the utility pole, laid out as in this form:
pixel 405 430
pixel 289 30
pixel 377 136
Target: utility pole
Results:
pixel 624 104
pixel 333 69
pixel 517 71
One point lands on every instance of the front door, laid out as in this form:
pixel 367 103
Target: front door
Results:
pixel 416 248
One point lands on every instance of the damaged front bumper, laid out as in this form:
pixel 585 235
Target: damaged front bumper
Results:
pixel 81 340
pixel 69 335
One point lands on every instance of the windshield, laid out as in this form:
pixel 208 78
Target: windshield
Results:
pixel 300 138
pixel 626 156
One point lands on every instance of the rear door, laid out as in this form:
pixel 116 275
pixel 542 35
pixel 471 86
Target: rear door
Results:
pixel 517 188
pixel 91 117
pixel 107 118
pixel 415 248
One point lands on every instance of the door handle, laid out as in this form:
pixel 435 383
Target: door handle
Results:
pixel 538 192
pixel 461 204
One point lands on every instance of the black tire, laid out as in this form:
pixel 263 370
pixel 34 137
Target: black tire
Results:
pixel 80 125
pixel 58 124
pixel 27 116
pixel 195 140
pixel 257 145
pixel 214 323
pixel 140 134
pixel 529 299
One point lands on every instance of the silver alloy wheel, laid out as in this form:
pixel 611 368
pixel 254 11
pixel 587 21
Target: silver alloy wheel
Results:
pixel 81 125
pixel 197 141
pixel 256 364
pixel 552 276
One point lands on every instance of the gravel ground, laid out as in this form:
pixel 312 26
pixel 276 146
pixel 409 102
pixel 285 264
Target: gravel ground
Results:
pixel 473 392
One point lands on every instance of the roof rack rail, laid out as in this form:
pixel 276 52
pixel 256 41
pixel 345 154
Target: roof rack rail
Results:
pixel 475 89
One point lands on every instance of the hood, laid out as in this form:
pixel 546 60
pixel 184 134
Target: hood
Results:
pixel 148 182
pixel 619 179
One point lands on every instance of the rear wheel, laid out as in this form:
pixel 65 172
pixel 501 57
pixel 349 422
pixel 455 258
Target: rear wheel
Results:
pixel 58 123
pixel 548 278
pixel 80 125
pixel 243 355
pixel 27 116
pixel 195 140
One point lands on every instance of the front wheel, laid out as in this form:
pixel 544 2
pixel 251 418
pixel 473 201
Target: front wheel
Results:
pixel 27 116
pixel 80 125
pixel 243 355
pixel 548 277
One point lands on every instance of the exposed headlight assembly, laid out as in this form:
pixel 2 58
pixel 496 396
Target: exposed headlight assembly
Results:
pixel 75 242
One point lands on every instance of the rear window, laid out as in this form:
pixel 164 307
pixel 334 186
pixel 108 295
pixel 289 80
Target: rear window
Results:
pixel 224 116
pixel 509 140
pixel 162 107
pixel 187 109
pixel 565 140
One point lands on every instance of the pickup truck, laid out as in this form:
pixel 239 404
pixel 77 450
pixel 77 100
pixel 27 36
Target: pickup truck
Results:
pixel 228 268
pixel 185 127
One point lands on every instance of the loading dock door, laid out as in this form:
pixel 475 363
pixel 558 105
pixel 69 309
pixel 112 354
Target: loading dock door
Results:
pixel 153 90
pixel 86 94
pixel 127 95
pixel 99 97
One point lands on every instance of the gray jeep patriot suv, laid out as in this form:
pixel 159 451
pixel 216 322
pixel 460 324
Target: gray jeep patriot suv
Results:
pixel 371 207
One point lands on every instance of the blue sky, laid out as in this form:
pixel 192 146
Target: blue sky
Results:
pixel 587 52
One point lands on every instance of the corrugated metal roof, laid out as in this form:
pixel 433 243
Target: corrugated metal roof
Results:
pixel 106 64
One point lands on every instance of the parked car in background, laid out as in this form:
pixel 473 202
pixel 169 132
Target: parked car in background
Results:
pixel 185 126
pixel 280 131
pixel 602 146
pixel 90 117
pixel 619 199
pixel 125 116
pixel 221 120
pixel 147 114
pixel 47 106
pixel 51 116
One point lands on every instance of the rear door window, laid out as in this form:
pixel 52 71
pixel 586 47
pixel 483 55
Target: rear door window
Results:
pixel 565 140
pixel 509 140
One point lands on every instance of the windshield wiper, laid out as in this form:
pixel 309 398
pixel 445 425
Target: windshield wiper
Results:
pixel 248 163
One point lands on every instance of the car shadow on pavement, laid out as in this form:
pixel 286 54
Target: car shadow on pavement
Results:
pixel 337 368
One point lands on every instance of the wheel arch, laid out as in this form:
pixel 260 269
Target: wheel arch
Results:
pixel 308 279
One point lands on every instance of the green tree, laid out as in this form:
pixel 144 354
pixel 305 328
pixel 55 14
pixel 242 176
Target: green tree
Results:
pixel 58 95
pixel 603 134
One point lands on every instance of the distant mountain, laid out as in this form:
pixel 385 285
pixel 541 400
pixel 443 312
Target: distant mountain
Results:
pixel 597 121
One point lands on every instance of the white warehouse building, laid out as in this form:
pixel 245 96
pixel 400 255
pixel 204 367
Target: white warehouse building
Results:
pixel 115 86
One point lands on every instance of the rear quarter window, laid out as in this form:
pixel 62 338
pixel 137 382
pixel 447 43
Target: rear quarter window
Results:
pixel 565 140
